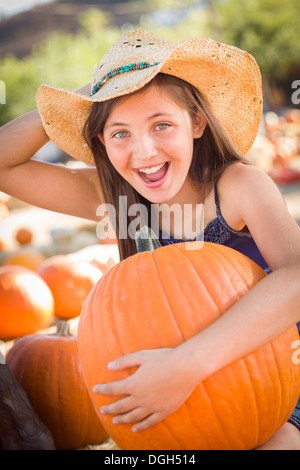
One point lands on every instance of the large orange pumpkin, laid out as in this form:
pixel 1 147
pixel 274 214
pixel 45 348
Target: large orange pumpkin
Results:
pixel 160 299
pixel 26 302
pixel 70 282
pixel 49 370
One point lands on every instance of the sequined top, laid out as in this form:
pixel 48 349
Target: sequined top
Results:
pixel 217 231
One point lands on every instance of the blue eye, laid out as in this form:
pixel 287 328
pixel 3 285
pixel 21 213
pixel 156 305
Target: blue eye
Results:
pixel 162 126
pixel 121 134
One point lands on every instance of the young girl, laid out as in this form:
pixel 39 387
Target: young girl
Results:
pixel 169 124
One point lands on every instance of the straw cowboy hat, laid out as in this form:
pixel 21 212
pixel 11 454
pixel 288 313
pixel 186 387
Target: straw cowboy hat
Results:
pixel 229 78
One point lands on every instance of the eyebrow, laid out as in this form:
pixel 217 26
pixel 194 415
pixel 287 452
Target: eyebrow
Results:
pixel 124 124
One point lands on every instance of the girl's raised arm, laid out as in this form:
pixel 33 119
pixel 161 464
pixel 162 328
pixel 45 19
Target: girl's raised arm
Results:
pixel 71 191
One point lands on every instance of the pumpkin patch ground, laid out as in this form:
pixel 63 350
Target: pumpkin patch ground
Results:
pixel 160 299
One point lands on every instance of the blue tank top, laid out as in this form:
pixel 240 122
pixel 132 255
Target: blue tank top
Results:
pixel 216 231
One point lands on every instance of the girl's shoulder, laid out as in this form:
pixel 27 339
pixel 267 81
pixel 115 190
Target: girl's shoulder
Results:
pixel 244 179
pixel 244 186
pixel 238 171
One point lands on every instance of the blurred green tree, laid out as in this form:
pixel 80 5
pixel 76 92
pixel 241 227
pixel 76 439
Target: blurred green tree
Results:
pixel 63 60
pixel 267 29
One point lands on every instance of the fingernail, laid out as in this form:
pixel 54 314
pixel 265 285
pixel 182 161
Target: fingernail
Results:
pixel 111 365
pixel 134 429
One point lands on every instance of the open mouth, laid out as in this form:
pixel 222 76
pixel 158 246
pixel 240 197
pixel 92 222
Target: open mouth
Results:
pixel 154 176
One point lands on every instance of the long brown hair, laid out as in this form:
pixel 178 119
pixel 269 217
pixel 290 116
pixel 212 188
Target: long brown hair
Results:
pixel 213 152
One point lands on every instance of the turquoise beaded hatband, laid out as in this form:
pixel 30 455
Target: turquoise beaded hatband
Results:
pixel 228 78
pixel 117 71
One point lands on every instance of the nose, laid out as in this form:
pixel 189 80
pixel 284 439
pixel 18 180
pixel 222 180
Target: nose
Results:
pixel 143 148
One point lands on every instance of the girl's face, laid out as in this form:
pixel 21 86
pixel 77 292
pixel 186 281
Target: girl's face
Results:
pixel 149 140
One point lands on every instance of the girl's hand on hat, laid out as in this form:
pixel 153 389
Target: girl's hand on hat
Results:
pixel 160 385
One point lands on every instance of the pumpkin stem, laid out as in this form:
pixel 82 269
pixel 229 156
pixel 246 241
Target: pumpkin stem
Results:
pixel 63 328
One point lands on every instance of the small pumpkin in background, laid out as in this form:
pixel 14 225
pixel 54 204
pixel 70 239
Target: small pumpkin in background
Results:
pixel 24 236
pixel 26 256
pixel 26 302
pixel 70 282
pixel 49 370
pixel 160 299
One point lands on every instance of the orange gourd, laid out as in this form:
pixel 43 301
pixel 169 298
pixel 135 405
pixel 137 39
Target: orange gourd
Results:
pixel 70 282
pixel 24 236
pixel 49 370
pixel 160 299
pixel 26 302
pixel 28 257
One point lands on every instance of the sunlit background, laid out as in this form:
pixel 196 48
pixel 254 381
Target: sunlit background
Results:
pixel 59 43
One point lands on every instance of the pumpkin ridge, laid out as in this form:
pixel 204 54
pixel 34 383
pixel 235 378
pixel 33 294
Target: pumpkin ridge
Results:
pixel 185 252
pixel 253 391
pixel 165 293
pixel 153 316
pixel 173 247
pixel 155 267
pixel 231 255
pixel 58 398
pixel 278 389
pixel 217 416
pixel 119 273
pixel 182 252
pixel 161 424
pixel 143 299
pixel 263 349
pixel 187 404
pixel 230 259
pixel 281 381
pixel 211 253
pixel 199 274
pixel 239 293
pixel 113 323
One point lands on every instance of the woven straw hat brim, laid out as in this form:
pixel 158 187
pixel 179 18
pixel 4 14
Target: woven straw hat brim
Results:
pixel 64 113
pixel 228 78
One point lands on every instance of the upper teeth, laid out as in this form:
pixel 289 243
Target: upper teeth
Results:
pixel 153 169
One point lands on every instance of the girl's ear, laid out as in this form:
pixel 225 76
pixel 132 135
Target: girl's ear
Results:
pixel 101 138
pixel 199 125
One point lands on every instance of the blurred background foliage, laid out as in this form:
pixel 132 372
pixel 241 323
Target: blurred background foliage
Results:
pixel 268 29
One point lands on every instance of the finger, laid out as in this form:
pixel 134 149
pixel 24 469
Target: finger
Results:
pixel 134 415
pixel 117 387
pixel 129 360
pixel 147 423
pixel 118 407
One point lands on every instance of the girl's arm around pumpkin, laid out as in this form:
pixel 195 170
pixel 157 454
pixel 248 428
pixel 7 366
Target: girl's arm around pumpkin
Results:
pixel 53 187
pixel 273 305
pixel 166 377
